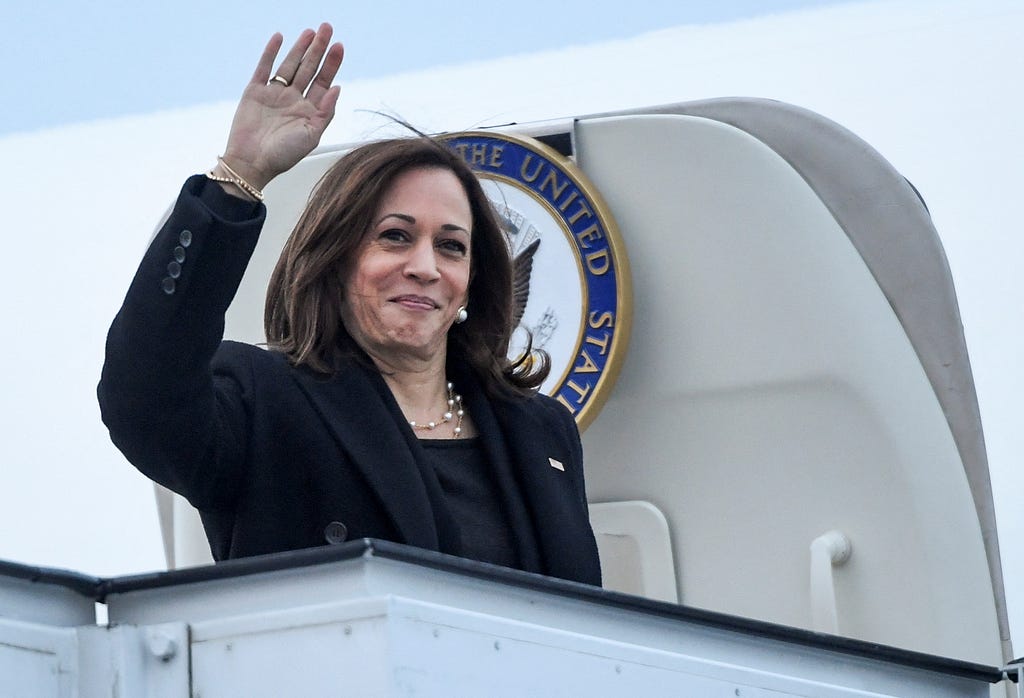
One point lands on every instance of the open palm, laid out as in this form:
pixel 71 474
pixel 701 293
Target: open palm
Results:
pixel 276 125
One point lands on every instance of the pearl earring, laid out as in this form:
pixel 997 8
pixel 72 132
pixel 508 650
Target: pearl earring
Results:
pixel 460 317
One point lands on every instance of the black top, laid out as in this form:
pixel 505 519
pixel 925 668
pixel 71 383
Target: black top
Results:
pixel 473 499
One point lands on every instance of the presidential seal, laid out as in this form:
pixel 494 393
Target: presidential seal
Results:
pixel 572 284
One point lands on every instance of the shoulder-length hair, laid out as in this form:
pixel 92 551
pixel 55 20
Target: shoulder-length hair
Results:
pixel 302 317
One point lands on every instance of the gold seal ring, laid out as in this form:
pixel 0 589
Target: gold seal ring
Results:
pixel 278 78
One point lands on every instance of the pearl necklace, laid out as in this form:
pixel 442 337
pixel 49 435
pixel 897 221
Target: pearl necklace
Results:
pixel 454 403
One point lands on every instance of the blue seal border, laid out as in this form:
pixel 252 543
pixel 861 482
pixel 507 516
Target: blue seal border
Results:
pixel 538 169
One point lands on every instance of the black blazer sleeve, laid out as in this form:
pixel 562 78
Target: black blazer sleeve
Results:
pixel 165 410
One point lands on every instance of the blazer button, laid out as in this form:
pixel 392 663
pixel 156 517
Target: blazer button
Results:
pixel 336 532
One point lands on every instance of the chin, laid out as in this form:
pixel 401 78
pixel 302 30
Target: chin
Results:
pixel 419 345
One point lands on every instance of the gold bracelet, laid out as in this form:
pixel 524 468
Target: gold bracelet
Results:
pixel 236 179
pixel 227 180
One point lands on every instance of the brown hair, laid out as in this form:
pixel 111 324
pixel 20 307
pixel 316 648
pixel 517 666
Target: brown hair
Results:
pixel 302 317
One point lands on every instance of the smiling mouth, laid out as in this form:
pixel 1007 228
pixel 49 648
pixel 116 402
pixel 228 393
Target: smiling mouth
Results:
pixel 416 302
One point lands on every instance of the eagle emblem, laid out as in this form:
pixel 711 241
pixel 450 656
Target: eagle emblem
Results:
pixel 523 241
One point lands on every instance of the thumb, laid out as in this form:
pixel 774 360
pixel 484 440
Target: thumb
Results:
pixel 328 103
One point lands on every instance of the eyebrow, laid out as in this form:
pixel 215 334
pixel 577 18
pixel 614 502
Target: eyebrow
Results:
pixel 412 220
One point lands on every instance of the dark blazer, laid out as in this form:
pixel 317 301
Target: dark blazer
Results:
pixel 276 457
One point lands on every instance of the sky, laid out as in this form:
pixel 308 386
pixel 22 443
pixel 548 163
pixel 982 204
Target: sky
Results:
pixel 89 60
pixel 127 98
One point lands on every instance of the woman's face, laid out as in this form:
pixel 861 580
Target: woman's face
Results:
pixel 411 270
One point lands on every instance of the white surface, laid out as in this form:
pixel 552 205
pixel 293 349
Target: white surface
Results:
pixel 375 627
pixel 635 544
pixel 771 394
pixel 931 85
pixel 50 604
pixel 37 660
pixel 423 631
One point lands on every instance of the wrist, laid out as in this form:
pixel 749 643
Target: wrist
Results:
pixel 233 182
pixel 246 169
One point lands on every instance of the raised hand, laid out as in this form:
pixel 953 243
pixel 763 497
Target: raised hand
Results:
pixel 280 119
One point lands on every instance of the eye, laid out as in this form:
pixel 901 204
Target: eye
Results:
pixel 453 247
pixel 394 235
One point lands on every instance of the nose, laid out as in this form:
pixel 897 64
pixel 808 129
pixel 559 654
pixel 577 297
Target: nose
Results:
pixel 422 261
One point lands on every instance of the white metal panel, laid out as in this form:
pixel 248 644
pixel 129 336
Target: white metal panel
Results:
pixel 333 649
pixel 444 651
pixel 40 602
pixel 128 660
pixel 249 609
pixel 888 223
pixel 37 660
pixel 771 394
pixel 242 595
pixel 389 645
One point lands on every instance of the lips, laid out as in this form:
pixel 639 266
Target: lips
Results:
pixel 414 302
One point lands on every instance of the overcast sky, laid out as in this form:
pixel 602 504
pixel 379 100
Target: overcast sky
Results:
pixel 75 61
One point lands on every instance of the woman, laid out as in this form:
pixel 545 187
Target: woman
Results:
pixel 385 407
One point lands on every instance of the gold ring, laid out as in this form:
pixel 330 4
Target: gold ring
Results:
pixel 278 78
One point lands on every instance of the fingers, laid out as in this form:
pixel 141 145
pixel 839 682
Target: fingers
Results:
pixel 302 67
pixel 310 62
pixel 325 77
pixel 266 62
pixel 290 65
